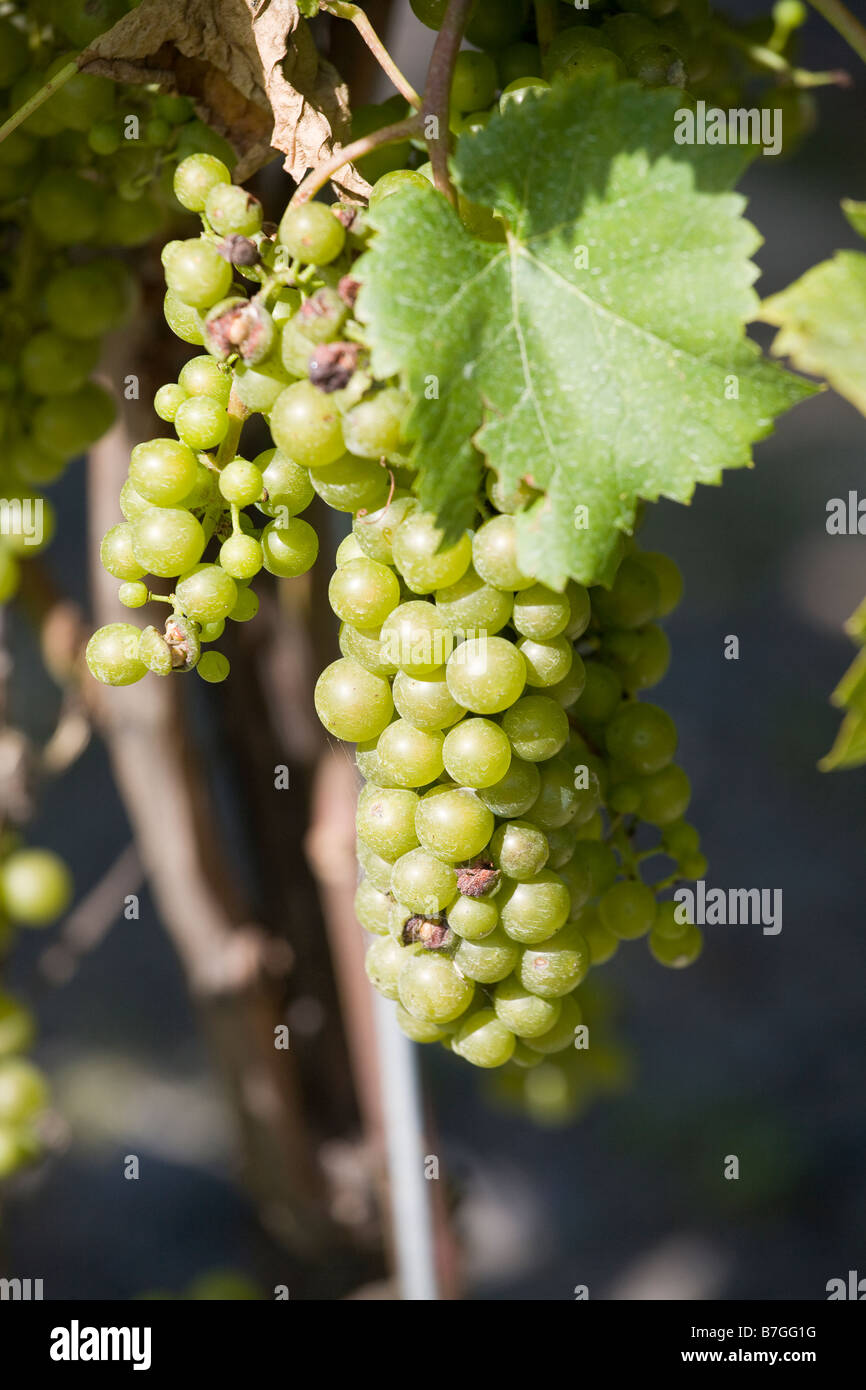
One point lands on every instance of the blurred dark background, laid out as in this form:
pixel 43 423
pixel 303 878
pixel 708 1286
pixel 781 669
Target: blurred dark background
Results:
pixel 758 1050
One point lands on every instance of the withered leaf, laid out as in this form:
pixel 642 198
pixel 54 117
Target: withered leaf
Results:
pixel 251 68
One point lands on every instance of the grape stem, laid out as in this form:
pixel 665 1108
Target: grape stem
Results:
pixel 545 23
pixel 38 99
pixel 765 57
pixel 388 135
pixel 844 22
pixel 356 16
pixel 237 413
pixel 438 90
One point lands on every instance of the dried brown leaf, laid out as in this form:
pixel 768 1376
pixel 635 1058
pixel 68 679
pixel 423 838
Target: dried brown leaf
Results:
pixel 251 68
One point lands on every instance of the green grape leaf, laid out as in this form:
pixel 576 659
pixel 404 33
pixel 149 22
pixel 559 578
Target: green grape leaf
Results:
pixel 849 747
pixel 856 214
pixel 598 351
pixel 822 323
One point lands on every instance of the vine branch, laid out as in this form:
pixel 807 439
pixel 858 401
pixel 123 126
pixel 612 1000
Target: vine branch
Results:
pixel 844 22
pixel 38 98
pixel 355 15
pixel 388 135
pixel 437 92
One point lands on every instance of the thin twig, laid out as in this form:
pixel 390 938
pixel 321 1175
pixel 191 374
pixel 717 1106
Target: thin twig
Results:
pixel 765 57
pixel 437 93
pixel 356 16
pixel 388 135
pixel 845 23
pixel 38 99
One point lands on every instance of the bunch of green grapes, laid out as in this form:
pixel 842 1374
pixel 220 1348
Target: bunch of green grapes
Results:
pixel 509 764
pixel 35 888
pixel 659 43
pixel 85 177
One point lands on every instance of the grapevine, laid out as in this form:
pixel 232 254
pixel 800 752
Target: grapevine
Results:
pixel 487 362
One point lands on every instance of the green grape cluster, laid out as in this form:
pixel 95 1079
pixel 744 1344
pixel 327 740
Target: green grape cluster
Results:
pixel 658 43
pixel 511 774
pixel 84 181
pixel 35 888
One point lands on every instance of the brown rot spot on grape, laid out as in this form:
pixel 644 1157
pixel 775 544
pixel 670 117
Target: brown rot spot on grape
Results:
pixel 433 933
pixel 348 290
pixel 242 328
pixel 182 638
pixel 239 250
pixel 333 365
pixel 475 880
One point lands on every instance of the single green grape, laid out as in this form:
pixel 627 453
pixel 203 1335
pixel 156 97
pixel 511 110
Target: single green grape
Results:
pixel 351 703
pixel 416 639
pixel 476 753
pixel 525 1014
pixel 452 823
pixel 519 850
pixel 540 613
pixel 311 233
pixel 195 177
pixel 555 967
pixel 562 1034
pixel 486 675
pixel 374 531
pixel 472 919
pixel 206 593
pixel 374 427
pixel 425 701
pixel 642 737
pixel 474 81
pixel 198 275
pixel 241 557
pixel 363 592
pixel 289 547
pixel 628 909
pixel 306 425
pixel 213 667
pixel 384 963
pixel 167 541
pixel 350 484
pixel 372 907
pixel 676 952
pixel 601 694
pixel 515 793
pixel 422 882
pixel 162 471
pixel 232 211
pixel 533 910
pixel 668 578
pixel 117 555
pixel 423 559
pixel 167 400
pixel 241 482
pixel 472 607
pixel 547 663
pixel 35 886
pixel 483 1040
pixel 633 598
pixel 201 422
pixel 204 376
pixel 112 655
pixel 286 485
pixel 430 987
pixel 365 646
pixel 409 757
pixel 53 364
pixel 494 554
pixel 536 726
pixel 133 594
pixel 385 820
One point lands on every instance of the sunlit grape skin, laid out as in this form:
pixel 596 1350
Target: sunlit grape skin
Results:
pixel 486 675
pixel 351 703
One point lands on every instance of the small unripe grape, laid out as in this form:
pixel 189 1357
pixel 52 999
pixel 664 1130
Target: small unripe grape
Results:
pixel 246 606
pixel 112 655
pixel 230 210
pixel 133 595
pixel 213 667
pixel 241 482
pixel 35 886
pixel 194 178
pixel 312 233
pixel 241 557
pixel 289 548
pixel 483 1040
